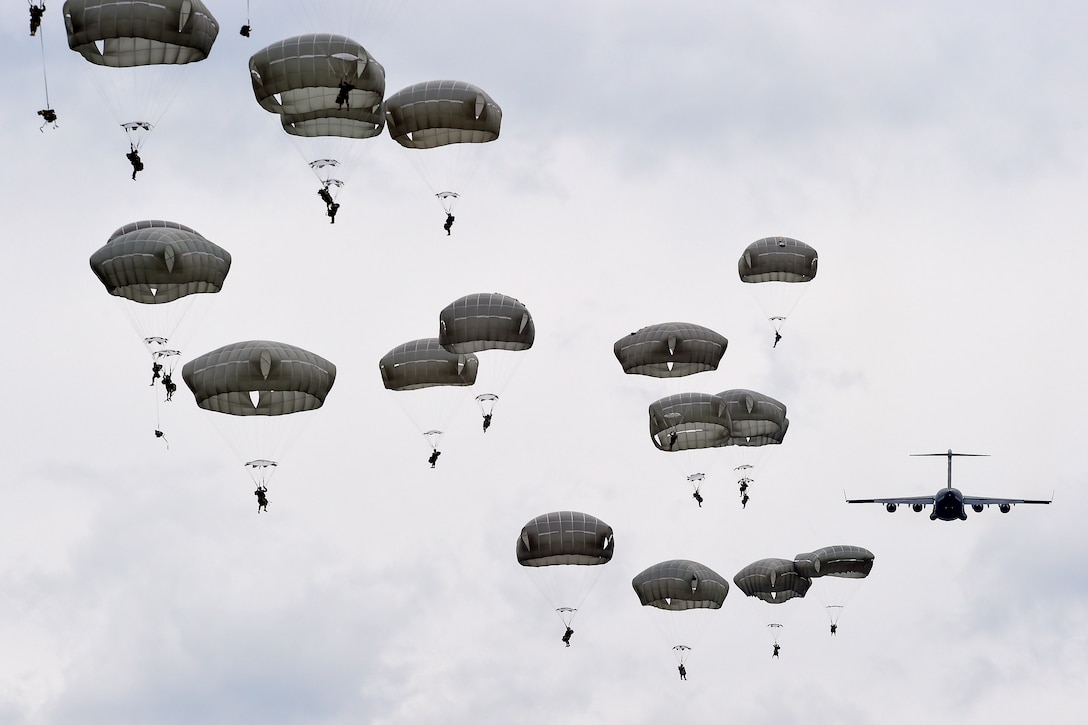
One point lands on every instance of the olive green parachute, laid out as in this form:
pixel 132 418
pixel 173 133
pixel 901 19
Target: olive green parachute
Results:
pixel 689 420
pixel 424 363
pixel 841 569
pixel 845 561
pixel 774 267
pixel 259 377
pixel 125 34
pixel 777 259
pixel 680 584
pixel 565 537
pixel 563 551
pixel 670 350
pixel 485 322
pixel 300 79
pixel 772 580
pixel 438 113
pixel 755 419
pixel 155 262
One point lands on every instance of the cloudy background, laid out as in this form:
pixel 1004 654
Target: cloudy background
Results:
pixel 933 154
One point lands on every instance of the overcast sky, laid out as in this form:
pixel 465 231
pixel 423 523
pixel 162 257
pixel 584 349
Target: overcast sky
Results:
pixel 934 155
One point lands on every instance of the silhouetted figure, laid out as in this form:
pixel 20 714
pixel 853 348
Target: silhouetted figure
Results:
pixel 170 385
pixel 744 500
pixel 49 116
pixel 156 371
pixel 673 437
pixel 262 498
pixel 36 12
pixel 342 96
pixel 133 157
pixel 698 497
pixel 834 629
pixel 777 337
pixel 567 636
pixel 244 31
pixel 434 457
pixel 331 207
pixel 449 223
pixel 487 422
pixel 744 485
pixel 683 672
pixel 776 648
pixel 160 434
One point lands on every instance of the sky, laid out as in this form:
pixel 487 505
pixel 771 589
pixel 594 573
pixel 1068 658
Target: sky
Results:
pixel 933 155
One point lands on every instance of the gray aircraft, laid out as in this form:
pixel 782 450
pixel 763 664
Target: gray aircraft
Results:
pixel 949 504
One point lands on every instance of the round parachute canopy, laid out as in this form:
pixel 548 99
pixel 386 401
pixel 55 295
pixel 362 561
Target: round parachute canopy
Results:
pixel 565 537
pixel 680 584
pixel 125 34
pixel 777 259
pixel 300 79
pixel 670 350
pixel 772 580
pixel 154 262
pixel 438 113
pixel 424 364
pixel 755 419
pixel 259 377
pixel 844 561
pixel 485 322
pixel 698 420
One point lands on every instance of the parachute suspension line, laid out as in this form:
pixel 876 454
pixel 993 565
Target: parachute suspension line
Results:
pixel 45 75
pixel 783 305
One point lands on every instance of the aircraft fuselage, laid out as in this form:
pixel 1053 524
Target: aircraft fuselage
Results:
pixel 948 505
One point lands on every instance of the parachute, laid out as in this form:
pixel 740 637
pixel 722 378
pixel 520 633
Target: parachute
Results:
pixel 564 549
pixel 447 120
pixel 158 269
pixel 484 321
pixel 688 423
pixel 772 580
pixel 847 562
pixel 327 90
pixel 139 46
pixel 435 377
pixel 255 385
pixel 756 421
pixel 155 262
pixel 697 420
pixel 488 322
pixel 840 569
pixel 674 350
pixel 670 350
pixel 778 267
pixel 680 587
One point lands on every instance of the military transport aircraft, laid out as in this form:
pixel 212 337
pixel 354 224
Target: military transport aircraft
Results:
pixel 949 503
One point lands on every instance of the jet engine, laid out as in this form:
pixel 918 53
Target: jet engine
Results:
pixel 976 507
pixel 1004 508
pixel 891 508
pixel 917 507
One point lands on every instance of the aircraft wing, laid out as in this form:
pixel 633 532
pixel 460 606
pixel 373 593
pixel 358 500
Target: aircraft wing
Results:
pixel 984 501
pixel 901 501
